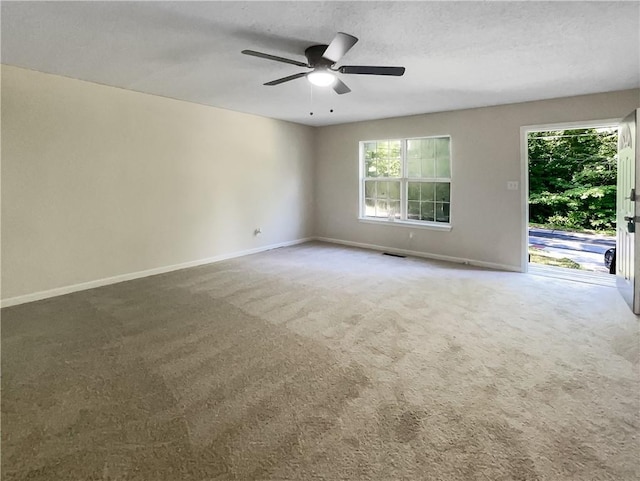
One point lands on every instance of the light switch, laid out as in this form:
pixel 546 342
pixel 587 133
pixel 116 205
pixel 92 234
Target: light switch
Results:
pixel 512 185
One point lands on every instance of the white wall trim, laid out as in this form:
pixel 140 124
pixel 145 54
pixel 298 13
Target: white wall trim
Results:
pixel 524 197
pixel 426 255
pixel 59 291
pixel 524 169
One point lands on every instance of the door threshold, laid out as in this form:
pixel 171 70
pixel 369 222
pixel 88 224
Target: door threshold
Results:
pixel 576 275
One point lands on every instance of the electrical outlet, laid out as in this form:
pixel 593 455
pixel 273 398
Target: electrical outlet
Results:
pixel 410 235
pixel 512 185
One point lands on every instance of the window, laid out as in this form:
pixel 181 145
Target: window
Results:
pixel 406 180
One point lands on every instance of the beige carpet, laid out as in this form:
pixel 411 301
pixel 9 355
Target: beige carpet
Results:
pixel 323 362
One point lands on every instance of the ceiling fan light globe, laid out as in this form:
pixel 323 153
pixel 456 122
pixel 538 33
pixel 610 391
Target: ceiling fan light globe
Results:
pixel 321 79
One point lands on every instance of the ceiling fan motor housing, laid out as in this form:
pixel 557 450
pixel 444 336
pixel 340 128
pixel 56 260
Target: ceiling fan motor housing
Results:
pixel 315 58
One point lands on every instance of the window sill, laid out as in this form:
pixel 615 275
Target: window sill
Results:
pixel 407 223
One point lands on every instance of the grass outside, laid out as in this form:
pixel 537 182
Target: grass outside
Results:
pixel 538 258
pixel 610 232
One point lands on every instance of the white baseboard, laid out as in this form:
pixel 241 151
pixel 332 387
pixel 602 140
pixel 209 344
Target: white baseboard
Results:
pixel 426 255
pixel 59 291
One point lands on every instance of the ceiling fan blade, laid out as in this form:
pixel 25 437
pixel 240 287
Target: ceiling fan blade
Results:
pixel 340 45
pixel 274 57
pixel 340 87
pixel 366 70
pixel 286 79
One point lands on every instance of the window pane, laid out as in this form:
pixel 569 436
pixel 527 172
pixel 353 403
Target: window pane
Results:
pixel 395 158
pixel 428 191
pixel 371 156
pixel 414 167
pixel 443 168
pixel 442 147
pixel 371 168
pixel 369 207
pixel 413 191
pixel 414 157
pixel 427 211
pixel 369 188
pixel 382 189
pixel 381 168
pixel 394 209
pixel 383 150
pixel 394 190
pixel 394 149
pixel 428 168
pixel 443 191
pixel 382 208
pixel 369 150
pixel 413 210
pixel 393 167
pixel 428 148
pixel 442 211
pixel 413 149
pixel 443 164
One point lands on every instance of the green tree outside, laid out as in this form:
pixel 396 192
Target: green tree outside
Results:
pixel 572 179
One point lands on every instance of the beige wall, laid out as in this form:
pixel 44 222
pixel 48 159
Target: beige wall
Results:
pixel 100 182
pixel 487 218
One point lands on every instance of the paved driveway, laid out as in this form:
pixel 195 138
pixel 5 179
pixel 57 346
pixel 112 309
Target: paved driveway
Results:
pixel 585 249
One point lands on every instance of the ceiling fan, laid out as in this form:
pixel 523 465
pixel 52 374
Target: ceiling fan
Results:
pixel 322 59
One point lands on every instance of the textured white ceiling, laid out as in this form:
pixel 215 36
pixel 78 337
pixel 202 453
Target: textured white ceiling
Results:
pixel 457 54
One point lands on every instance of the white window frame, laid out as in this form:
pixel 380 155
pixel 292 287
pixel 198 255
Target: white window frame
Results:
pixel 404 183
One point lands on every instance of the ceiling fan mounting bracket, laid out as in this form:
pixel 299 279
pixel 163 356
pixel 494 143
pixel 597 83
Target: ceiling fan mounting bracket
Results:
pixel 315 58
